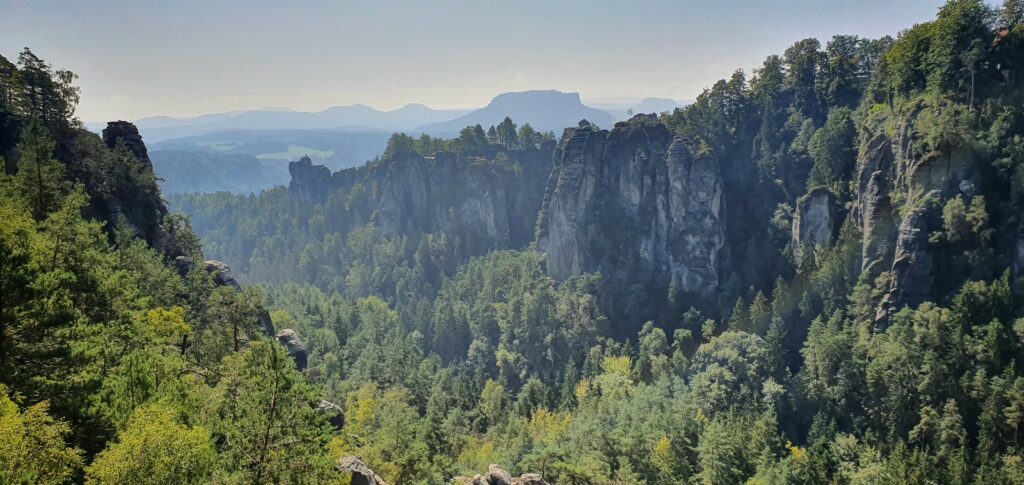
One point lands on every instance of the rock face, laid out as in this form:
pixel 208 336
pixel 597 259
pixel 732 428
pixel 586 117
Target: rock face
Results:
pixel 489 201
pixel 899 203
pixel 126 132
pixel 913 269
pixel 296 350
pixel 814 222
pixel 874 206
pixel 634 204
pixel 361 474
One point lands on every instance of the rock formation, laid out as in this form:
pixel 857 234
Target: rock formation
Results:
pixel 135 202
pixel 634 204
pixel 361 474
pixel 496 476
pixel 296 350
pixel 126 132
pixel 335 415
pixel 222 276
pixel 898 207
pixel 814 221
pixel 489 200
pixel 221 273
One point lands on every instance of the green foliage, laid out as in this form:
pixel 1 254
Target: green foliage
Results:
pixel 155 448
pixel 263 411
pixel 446 357
pixel 32 444
pixel 832 150
pixel 40 177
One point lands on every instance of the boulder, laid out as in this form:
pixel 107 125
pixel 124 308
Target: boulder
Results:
pixel 182 264
pixel 296 350
pixel 335 415
pixel 497 476
pixel 361 474
pixel 531 479
pixel 221 273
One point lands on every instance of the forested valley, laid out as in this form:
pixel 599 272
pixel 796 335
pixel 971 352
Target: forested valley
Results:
pixel 812 274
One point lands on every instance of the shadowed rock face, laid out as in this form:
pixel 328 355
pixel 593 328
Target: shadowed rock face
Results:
pixel 126 132
pixel 140 208
pixel 489 201
pixel 898 206
pixel 634 204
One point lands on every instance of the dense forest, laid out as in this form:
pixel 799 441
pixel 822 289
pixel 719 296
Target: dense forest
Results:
pixel 812 274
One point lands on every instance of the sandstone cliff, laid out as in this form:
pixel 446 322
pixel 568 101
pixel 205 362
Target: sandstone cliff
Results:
pixel 634 204
pixel 901 191
pixel 490 200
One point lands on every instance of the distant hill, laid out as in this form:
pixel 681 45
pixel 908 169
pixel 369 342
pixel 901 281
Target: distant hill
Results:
pixel 358 116
pixel 336 149
pixel 620 109
pixel 203 172
pixel 544 110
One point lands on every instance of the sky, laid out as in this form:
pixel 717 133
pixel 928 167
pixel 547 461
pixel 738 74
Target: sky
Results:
pixel 184 58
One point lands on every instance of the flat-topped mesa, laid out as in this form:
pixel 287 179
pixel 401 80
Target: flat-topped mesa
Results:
pixel 635 204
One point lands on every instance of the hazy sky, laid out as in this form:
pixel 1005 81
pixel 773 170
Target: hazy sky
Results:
pixel 179 58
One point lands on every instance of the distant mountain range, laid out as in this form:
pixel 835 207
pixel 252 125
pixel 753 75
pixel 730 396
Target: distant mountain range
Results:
pixel 353 118
pixel 544 110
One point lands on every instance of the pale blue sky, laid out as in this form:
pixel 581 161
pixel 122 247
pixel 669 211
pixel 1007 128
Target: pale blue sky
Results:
pixel 142 58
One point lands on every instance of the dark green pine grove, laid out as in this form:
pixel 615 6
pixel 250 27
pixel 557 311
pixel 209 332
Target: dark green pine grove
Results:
pixel 123 361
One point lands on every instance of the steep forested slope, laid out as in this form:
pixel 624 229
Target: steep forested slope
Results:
pixel 121 361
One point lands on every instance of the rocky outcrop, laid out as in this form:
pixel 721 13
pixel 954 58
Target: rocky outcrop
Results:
pixel 874 206
pixel 913 269
pixel 636 205
pixel 126 132
pixel 296 350
pixel 222 276
pixel 221 273
pixel 135 200
pixel 489 200
pixel 899 203
pixel 334 414
pixel 815 218
pixel 496 476
pixel 360 473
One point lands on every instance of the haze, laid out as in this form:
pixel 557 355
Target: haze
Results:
pixel 186 58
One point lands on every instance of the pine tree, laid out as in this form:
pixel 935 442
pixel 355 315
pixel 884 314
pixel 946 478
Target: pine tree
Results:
pixel 40 177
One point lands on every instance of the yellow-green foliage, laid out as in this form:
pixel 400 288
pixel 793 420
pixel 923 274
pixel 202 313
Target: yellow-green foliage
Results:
pixel 32 447
pixel 155 448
